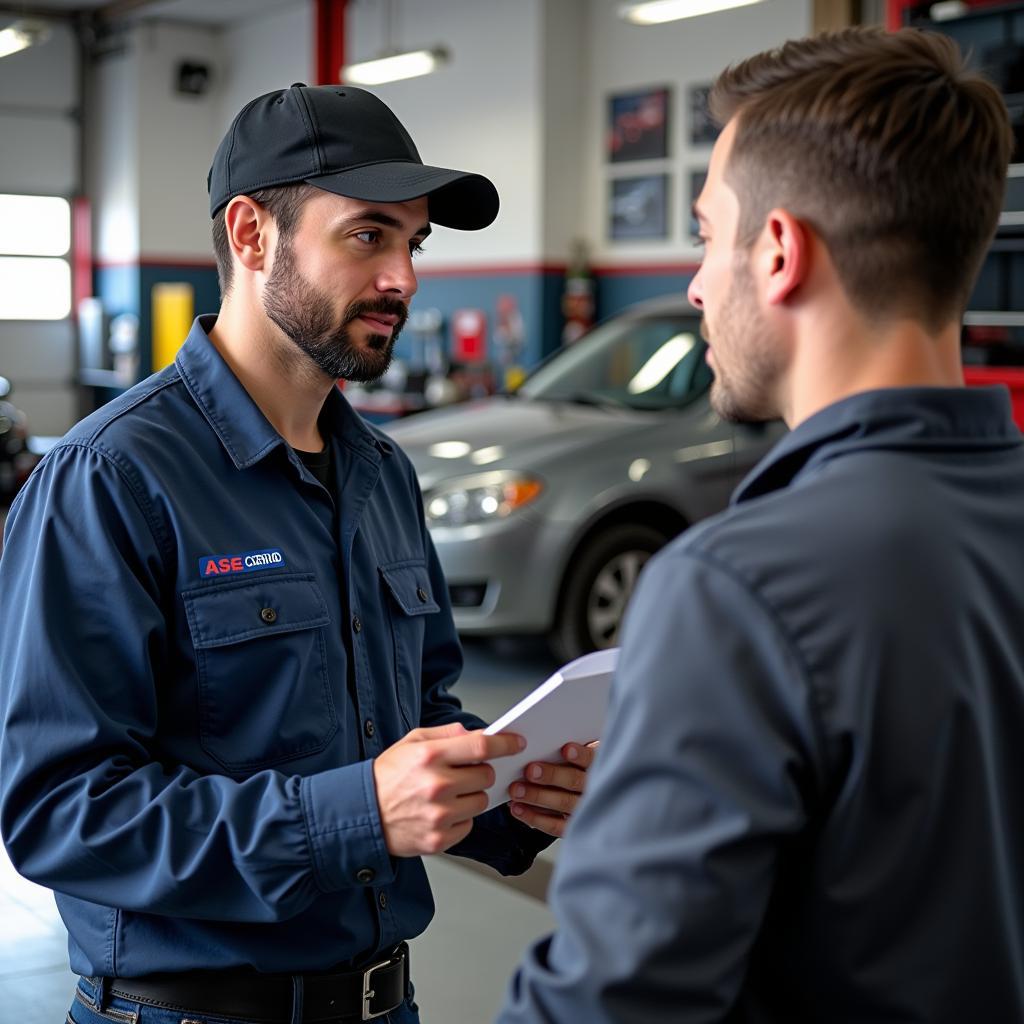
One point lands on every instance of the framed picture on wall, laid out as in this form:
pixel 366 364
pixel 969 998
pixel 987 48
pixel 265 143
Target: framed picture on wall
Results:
pixel 703 130
pixel 638 125
pixel 638 207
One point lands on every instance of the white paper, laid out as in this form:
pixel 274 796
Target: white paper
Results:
pixel 567 708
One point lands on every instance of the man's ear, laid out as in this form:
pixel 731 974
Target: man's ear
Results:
pixel 249 230
pixel 783 256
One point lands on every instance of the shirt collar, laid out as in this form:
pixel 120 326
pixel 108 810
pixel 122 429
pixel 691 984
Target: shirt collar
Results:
pixel 960 419
pixel 246 434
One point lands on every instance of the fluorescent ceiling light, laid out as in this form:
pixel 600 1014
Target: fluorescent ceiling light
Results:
pixel 22 34
pixel 395 67
pixel 656 12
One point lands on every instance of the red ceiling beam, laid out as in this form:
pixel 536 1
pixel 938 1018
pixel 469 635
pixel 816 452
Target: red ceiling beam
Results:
pixel 330 40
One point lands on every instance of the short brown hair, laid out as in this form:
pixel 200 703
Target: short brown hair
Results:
pixel 888 147
pixel 284 204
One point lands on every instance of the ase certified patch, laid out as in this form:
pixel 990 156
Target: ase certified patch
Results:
pixel 250 561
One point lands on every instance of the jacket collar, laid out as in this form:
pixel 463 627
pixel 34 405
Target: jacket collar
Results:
pixel 246 434
pixel 951 419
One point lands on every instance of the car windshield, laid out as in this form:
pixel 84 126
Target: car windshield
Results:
pixel 651 362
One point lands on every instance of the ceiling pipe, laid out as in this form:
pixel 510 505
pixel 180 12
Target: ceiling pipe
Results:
pixel 329 41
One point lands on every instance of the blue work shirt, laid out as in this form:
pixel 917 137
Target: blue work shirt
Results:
pixel 807 805
pixel 201 652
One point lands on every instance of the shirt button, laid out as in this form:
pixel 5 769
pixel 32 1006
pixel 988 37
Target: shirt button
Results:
pixel 268 615
pixel 369 727
pixel 357 626
pixel 365 875
pixel 382 899
pixel 421 593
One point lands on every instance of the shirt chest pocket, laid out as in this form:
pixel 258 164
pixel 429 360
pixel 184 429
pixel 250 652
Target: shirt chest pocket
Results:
pixel 410 602
pixel 261 662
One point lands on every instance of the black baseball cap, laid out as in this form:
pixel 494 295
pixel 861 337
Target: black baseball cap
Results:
pixel 343 140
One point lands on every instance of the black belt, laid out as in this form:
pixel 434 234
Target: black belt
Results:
pixel 350 995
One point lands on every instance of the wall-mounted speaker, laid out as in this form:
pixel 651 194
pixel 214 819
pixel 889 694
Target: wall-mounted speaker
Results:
pixel 192 77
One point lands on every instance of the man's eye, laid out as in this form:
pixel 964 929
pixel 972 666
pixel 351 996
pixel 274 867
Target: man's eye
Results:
pixel 368 236
pixel 415 248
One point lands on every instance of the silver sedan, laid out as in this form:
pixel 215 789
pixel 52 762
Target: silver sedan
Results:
pixel 544 505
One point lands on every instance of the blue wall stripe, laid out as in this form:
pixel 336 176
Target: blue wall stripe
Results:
pixel 127 289
pixel 617 291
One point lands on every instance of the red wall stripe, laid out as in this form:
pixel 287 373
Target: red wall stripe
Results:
pixel 491 270
pixel 158 261
pixel 637 269
pixel 466 270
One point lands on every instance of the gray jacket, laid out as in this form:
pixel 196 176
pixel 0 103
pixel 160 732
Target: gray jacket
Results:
pixel 806 807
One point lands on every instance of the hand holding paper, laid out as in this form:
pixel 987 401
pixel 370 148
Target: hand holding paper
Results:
pixel 430 785
pixel 560 720
pixel 548 795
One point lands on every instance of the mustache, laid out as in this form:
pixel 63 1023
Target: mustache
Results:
pixel 382 305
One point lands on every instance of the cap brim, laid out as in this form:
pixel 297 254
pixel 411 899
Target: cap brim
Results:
pixel 457 199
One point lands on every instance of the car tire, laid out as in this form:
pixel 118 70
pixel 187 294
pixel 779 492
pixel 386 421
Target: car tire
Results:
pixel 598 584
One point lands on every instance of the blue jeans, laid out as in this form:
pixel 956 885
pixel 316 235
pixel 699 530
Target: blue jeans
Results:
pixel 85 1010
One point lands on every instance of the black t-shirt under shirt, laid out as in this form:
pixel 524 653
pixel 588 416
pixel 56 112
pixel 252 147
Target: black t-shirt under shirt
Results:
pixel 319 464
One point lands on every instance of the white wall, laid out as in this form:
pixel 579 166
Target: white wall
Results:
pixel 152 146
pixel 622 57
pixel 564 43
pixel 177 134
pixel 261 54
pixel 38 136
pixel 524 101
pixel 39 139
pixel 479 113
pixel 112 155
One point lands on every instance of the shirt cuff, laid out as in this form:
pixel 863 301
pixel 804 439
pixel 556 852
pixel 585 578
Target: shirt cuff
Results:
pixel 502 841
pixel 346 838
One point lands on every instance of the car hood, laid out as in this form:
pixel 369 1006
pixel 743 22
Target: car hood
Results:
pixel 506 433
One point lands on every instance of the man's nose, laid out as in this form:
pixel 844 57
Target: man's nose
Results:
pixel 694 292
pixel 398 276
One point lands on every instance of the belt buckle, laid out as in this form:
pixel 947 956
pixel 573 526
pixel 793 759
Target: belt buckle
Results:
pixel 368 993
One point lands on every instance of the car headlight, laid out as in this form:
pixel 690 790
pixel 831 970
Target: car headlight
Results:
pixel 480 499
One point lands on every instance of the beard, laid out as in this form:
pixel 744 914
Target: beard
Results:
pixel 304 313
pixel 749 361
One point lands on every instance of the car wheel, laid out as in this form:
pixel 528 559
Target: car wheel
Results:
pixel 598 584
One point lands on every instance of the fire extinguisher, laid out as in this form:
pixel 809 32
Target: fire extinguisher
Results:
pixel 578 297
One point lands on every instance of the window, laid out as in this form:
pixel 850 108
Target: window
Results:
pixel 644 362
pixel 35 275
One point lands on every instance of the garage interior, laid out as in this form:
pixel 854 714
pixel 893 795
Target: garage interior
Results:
pixel 115 109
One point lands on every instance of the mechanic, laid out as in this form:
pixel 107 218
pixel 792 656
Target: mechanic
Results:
pixel 227 649
pixel 807 803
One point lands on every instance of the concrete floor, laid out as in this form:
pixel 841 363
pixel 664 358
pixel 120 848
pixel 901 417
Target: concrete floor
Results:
pixel 482 924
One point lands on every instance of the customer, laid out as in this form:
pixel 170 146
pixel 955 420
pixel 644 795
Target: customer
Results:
pixel 806 808
pixel 226 648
